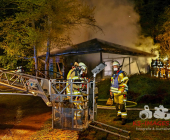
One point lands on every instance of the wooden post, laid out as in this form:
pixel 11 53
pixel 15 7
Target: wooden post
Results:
pixel 123 62
pixel 129 66
pixel 101 60
pixel 137 66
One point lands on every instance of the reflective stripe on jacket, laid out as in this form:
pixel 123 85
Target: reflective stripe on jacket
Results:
pixel 119 81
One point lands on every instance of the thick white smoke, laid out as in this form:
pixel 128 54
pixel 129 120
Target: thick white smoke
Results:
pixel 120 24
pixel 118 20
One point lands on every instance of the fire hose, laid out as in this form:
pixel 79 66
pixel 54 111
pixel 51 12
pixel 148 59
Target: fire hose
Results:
pixel 134 103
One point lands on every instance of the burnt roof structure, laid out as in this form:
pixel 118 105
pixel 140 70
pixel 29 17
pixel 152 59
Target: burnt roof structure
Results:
pixel 97 45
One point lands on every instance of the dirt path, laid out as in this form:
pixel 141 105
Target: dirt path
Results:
pixel 27 127
pixel 15 125
pixel 30 125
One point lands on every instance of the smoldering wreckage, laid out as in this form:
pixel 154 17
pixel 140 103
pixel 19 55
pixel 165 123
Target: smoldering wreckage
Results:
pixel 73 101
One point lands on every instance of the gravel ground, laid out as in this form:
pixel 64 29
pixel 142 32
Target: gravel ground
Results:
pixel 29 127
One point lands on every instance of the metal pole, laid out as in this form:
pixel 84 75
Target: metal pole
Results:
pixel 72 118
pixel 16 94
pixel 126 137
pixel 88 91
pixel 129 67
pixel 62 117
pixel 93 93
pixel 59 85
pixel 71 88
pixel 123 61
pixel 52 115
pixel 112 127
pixel 137 66
pixel 101 59
pixel 50 87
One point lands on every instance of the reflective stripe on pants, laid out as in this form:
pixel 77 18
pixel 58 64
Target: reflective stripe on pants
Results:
pixel 121 110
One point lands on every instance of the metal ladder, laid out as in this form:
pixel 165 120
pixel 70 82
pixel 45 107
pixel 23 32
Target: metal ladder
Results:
pixel 26 84
pixel 94 123
pixel 51 91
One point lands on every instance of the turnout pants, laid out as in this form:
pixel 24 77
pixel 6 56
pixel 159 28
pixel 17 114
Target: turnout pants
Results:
pixel 121 110
pixel 121 106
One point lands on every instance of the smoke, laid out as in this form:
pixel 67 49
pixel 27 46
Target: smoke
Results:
pixel 120 24
pixel 146 44
pixel 118 21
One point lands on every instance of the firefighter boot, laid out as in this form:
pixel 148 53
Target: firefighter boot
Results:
pixel 118 118
pixel 124 121
pixel 118 113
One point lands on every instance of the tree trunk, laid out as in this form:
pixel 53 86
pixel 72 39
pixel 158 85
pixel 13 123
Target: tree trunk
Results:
pixel 35 53
pixel 47 59
pixel 35 59
pixel 48 51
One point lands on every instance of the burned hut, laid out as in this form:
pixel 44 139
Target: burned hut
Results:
pixel 95 51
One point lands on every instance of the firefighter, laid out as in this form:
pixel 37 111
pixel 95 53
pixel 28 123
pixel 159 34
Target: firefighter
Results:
pixel 154 65
pixel 119 89
pixel 75 74
pixel 160 68
pixel 167 69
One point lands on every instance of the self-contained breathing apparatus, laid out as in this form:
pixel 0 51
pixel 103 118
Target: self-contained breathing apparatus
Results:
pixel 75 75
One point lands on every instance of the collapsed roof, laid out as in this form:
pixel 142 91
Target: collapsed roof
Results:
pixel 97 45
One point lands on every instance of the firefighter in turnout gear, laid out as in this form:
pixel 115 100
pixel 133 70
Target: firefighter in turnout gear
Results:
pixel 160 68
pixel 119 90
pixel 167 69
pixel 154 69
pixel 75 74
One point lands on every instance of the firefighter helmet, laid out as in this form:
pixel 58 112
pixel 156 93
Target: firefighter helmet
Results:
pixel 76 64
pixel 82 65
pixel 116 63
